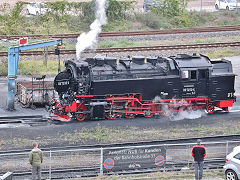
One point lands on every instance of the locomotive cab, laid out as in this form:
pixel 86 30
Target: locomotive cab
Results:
pixel 194 75
pixel 222 84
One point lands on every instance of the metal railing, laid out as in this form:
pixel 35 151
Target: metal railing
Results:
pixel 90 161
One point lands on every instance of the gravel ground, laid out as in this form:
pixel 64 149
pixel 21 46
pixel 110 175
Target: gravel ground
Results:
pixel 174 37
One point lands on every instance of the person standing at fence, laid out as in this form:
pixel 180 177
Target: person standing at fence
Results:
pixel 36 159
pixel 198 153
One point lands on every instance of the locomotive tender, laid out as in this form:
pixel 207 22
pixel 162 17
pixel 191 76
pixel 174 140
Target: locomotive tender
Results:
pixel 106 87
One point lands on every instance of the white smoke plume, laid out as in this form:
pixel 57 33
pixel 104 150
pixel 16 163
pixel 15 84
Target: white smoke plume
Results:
pixel 89 39
pixel 190 114
pixel 183 113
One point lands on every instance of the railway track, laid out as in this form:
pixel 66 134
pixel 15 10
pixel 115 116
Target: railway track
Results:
pixel 132 33
pixel 134 49
pixel 86 172
pixel 30 120
pixel 234 137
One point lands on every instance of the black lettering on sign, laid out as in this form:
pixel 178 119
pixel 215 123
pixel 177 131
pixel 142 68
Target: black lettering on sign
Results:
pixel 133 158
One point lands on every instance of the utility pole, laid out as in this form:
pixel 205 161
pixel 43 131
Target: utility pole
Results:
pixel 57 52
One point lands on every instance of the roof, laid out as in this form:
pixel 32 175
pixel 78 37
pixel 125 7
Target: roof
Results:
pixel 192 61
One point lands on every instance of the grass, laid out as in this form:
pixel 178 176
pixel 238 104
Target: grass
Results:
pixel 121 43
pixel 31 67
pixel 223 53
pixel 185 40
pixel 101 134
pixel 117 26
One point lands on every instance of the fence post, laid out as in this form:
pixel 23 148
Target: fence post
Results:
pixel 101 162
pixel 50 164
pixel 164 168
pixel 227 148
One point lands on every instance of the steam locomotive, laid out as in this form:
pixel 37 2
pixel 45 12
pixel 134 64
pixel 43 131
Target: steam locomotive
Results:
pixel 107 87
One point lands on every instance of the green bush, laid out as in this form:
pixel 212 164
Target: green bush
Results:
pixel 88 12
pixel 58 19
pixel 149 19
pixel 154 21
pixel 117 10
pixel 11 18
pixel 183 21
pixel 169 8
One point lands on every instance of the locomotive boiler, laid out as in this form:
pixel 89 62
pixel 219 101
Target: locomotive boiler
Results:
pixel 107 87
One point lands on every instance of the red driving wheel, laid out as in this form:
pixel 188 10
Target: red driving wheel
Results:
pixel 81 117
pixel 129 116
pixel 130 113
pixel 148 113
pixel 210 108
pixel 111 116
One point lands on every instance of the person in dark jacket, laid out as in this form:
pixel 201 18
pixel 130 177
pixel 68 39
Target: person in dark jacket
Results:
pixel 198 153
pixel 36 159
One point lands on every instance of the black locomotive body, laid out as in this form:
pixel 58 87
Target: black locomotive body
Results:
pixel 109 87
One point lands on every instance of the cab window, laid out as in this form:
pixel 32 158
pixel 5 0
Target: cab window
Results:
pixel 185 74
pixel 193 75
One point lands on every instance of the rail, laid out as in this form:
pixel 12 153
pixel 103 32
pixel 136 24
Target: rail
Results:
pixel 132 33
pixel 135 49
pixel 30 120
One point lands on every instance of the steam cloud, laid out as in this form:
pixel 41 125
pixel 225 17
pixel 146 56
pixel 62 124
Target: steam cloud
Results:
pixel 89 40
pixel 188 114
pixel 192 114
pixel 182 114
